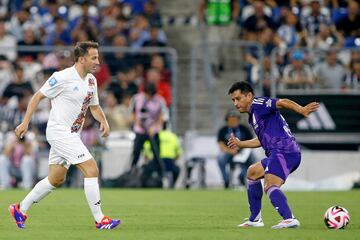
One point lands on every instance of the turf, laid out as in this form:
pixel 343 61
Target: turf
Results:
pixel 157 214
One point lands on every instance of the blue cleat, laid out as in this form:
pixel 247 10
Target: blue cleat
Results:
pixel 107 223
pixel 18 216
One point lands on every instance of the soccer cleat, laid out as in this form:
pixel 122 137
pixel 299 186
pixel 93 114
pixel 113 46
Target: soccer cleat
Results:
pixel 107 223
pixel 287 223
pixel 18 216
pixel 248 223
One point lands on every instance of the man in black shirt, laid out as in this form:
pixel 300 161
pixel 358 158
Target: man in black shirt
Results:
pixel 226 155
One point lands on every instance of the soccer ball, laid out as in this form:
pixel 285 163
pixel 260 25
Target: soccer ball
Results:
pixel 336 217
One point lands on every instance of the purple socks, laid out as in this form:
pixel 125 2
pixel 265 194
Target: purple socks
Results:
pixel 279 202
pixel 255 192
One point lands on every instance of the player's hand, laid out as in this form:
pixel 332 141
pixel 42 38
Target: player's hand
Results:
pixel 104 129
pixel 311 107
pixel 233 142
pixel 21 130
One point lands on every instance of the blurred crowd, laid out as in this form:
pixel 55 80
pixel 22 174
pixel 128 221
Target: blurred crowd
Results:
pixel 324 26
pixel 24 67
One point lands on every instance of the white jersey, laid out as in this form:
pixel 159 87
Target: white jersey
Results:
pixel 70 97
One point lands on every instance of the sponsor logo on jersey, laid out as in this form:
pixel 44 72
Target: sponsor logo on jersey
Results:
pixel 81 155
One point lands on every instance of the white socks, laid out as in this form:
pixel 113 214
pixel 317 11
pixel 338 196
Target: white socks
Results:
pixel 92 193
pixel 41 190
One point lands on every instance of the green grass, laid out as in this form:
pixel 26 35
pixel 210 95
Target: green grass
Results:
pixel 157 214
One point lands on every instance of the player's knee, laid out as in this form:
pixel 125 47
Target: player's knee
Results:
pixel 252 173
pixel 56 182
pixel 91 172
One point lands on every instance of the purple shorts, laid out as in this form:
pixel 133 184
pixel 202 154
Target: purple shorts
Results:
pixel 281 164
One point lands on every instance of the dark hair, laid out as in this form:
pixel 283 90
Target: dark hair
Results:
pixel 81 48
pixel 150 89
pixel 244 88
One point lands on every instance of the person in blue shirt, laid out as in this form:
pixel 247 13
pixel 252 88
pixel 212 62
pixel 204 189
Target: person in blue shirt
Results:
pixel 282 152
pixel 226 157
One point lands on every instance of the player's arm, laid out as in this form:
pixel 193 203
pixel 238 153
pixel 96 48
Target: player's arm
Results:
pixel 234 142
pixel 291 105
pixel 32 106
pixel 99 116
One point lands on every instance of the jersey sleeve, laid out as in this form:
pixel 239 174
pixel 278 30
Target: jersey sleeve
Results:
pixel 95 99
pixel 264 105
pixel 53 86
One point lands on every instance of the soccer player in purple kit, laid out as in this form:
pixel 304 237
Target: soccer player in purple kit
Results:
pixel 282 152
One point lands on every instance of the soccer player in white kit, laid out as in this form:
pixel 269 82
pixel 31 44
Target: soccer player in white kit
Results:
pixel 72 91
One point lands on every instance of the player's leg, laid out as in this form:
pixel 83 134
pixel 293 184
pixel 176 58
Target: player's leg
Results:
pixel 279 167
pixel 138 145
pixel 56 177
pixel 92 192
pixel 91 187
pixel 255 191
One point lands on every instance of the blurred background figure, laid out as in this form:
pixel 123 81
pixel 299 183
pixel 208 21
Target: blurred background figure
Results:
pixel 17 162
pixel 149 113
pixel 220 19
pixel 226 157
pixel 297 74
pixel 170 151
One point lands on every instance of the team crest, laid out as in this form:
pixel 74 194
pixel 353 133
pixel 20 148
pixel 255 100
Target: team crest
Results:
pixel 52 82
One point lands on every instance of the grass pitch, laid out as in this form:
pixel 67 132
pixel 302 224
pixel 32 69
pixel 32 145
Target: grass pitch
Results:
pixel 158 214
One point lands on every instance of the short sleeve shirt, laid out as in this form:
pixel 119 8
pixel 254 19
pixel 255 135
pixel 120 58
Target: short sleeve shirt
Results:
pixel 70 97
pixel 270 127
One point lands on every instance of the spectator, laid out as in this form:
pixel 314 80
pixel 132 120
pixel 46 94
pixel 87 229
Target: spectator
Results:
pixel 85 22
pixel 162 88
pixel 352 79
pixel 108 31
pixel 152 14
pixel 8 43
pixel 122 86
pixel 22 20
pixel 269 73
pixel 170 151
pixel 226 157
pixel 149 112
pixel 311 23
pixel 19 87
pixel 288 32
pixel 59 35
pixel 349 26
pixel 157 62
pixel 17 162
pixel 330 73
pixel 328 37
pixel 155 39
pixel 297 75
pixel 220 19
pixel 117 114
pixel 29 39
pixel 118 61
pixel 258 21
pixel 6 73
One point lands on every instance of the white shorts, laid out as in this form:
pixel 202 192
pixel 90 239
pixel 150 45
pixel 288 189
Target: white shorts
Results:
pixel 69 151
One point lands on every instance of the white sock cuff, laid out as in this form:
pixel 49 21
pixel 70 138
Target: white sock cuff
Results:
pixel 91 181
pixel 48 184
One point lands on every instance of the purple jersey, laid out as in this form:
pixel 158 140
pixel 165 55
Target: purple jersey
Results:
pixel 270 127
